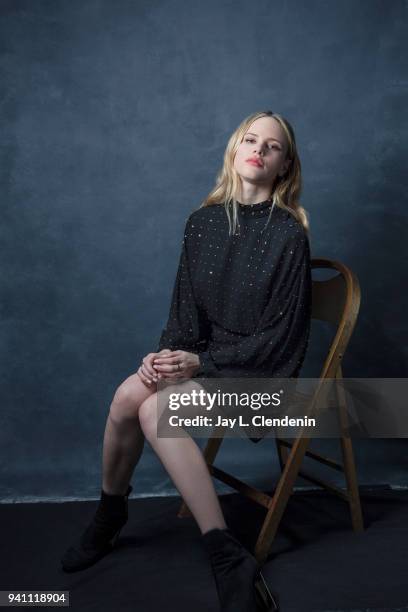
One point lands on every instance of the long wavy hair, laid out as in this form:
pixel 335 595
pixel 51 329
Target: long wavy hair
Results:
pixel 285 191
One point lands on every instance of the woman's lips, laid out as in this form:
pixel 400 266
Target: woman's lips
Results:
pixel 254 163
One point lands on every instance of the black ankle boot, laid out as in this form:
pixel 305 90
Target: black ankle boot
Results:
pixel 101 534
pixel 240 584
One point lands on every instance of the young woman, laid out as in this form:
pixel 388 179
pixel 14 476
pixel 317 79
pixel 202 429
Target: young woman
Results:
pixel 240 307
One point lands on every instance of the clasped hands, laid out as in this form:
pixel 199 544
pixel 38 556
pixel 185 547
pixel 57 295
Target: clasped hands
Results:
pixel 168 365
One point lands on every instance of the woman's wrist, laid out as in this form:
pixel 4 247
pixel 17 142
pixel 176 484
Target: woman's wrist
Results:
pixel 198 362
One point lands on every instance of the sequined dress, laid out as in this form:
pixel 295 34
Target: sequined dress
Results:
pixel 243 302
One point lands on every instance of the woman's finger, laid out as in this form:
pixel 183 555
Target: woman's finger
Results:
pixel 168 356
pixel 148 368
pixel 145 379
pixel 169 367
pixel 173 376
pixel 167 360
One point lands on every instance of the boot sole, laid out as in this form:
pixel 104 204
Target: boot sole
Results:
pixel 95 559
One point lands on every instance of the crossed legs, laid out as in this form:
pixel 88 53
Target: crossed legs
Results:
pixel 132 419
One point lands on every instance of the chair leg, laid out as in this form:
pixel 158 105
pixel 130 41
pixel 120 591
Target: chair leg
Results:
pixel 348 460
pixel 280 499
pixel 352 485
pixel 184 511
pixel 210 452
pixel 282 453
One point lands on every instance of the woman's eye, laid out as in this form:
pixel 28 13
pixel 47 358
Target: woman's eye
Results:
pixel 270 147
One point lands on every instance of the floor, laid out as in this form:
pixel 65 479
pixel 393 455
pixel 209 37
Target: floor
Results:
pixel 317 562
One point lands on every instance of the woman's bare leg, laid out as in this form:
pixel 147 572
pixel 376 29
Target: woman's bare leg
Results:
pixel 124 439
pixel 132 417
pixel 123 445
pixel 186 466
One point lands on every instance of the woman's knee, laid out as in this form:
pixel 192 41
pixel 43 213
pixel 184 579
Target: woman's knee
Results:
pixel 154 411
pixel 128 398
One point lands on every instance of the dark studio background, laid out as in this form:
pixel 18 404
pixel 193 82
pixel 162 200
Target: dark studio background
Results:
pixel 114 119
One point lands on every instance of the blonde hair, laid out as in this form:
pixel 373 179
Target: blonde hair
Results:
pixel 285 190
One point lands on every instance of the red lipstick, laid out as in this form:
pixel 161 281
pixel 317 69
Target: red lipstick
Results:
pixel 255 161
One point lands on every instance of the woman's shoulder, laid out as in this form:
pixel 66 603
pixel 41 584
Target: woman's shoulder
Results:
pixel 289 231
pixel 291 224
pixel 204 214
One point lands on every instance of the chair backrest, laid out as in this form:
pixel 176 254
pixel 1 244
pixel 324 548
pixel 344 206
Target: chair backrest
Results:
pixel 336 300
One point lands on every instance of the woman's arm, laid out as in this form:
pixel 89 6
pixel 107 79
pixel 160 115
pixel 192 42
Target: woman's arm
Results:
pixel 186 328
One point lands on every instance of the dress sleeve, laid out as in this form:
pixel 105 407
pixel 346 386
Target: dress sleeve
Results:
pixel 278 344
pixel 187 328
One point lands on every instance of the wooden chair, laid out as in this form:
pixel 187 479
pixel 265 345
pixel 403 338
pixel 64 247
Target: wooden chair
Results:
pixel 337 301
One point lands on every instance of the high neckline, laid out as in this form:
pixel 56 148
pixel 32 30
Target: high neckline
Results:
pixel 258 209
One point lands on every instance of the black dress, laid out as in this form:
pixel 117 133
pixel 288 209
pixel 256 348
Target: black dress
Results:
pixel 243 302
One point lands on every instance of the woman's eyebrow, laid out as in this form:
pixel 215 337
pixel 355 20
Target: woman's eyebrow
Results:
pixel 252 134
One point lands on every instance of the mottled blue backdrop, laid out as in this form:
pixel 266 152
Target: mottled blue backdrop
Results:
pixel 114 119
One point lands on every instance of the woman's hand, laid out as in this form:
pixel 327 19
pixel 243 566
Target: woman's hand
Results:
pixel 146 372
pixel 176 364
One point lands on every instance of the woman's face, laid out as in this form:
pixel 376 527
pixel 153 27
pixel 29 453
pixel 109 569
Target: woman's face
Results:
pixel 265 143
